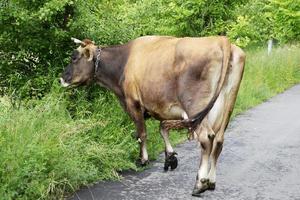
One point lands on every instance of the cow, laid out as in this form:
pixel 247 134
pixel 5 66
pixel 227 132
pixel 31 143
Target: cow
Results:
pixel 189 83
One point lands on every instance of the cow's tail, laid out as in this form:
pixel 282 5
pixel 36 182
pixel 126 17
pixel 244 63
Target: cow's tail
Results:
pixel 197 119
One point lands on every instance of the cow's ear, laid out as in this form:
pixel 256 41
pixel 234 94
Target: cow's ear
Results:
pixel 86 42
pixel 88 54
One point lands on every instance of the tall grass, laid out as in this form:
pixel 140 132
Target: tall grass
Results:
pixel 45 153
pixel 70 138
pixel 54 147
pixel 267 75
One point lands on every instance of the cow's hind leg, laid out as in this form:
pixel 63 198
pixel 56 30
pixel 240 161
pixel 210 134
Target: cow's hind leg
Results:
pixel 170 159
pixel 216 151
pixel 204 134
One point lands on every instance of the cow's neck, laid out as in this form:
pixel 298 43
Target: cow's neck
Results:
pixel 111 67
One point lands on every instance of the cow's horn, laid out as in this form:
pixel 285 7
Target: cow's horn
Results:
pixel 77 41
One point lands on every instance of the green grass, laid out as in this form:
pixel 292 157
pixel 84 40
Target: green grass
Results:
pixel 267 75
pixel 51 147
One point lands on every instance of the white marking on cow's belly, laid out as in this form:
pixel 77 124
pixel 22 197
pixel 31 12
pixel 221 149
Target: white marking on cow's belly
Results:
pixel 184 115
pixel 176 112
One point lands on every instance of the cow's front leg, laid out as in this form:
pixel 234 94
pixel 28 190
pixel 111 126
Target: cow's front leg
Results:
pixel 137 114
pixel 202 181
pixel 170 159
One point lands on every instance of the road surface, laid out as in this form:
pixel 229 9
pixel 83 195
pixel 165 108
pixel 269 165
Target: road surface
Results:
pixel 260 160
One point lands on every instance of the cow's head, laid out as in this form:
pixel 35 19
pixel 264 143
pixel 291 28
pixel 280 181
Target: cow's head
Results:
pixel 80 71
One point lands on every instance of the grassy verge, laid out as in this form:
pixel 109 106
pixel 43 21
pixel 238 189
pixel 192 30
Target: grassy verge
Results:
pixel 267 75
pixel 50 147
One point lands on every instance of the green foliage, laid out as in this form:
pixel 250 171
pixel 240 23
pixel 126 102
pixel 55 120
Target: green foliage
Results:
pixel 260 20
pixel 179 18
pixel 35 35
pixel 267 75
pixel 285 17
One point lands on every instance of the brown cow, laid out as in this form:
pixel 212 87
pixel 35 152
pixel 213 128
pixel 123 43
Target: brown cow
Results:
pixel 183 82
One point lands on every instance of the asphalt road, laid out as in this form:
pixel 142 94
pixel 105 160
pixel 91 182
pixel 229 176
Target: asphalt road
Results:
pixel 260 160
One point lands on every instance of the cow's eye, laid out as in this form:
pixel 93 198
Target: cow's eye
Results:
pixel 74 58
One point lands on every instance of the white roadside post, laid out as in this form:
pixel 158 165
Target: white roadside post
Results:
pixel 270 45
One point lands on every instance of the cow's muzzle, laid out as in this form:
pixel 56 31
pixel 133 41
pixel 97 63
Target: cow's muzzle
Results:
pixel 64 83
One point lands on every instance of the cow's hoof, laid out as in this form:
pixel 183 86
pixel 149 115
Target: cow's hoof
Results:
pixel 166 166
pixel 171 161
pixel 197 192
pixel 211 186
pixel 142 163
pixel 204 186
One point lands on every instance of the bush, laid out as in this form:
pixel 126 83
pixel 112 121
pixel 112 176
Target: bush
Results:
pixel 257 21
pixel 35 37
pixel 284 16
pixel 35 41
